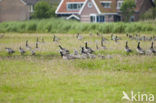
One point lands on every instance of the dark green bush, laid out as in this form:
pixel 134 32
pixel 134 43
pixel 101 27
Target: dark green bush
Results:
pixel 42 10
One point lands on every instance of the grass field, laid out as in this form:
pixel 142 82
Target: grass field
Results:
pixel 47 78
pixel 57 25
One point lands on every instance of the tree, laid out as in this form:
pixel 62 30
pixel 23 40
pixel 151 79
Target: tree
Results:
pixel 127 9
pixel 42 9
pixel 151 13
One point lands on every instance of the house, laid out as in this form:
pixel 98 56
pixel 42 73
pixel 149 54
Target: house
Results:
pixel 14 10
pixel 99 10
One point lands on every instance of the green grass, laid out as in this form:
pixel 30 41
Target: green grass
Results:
pixel 55 25
pixel 47 78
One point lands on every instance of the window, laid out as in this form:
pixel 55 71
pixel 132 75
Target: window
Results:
pixel 119 4
pixel 109 16
pixel 100 18
pixel 93 18
pixel 106 4
pixel 74 6
pixel 97 18
pixel 90 5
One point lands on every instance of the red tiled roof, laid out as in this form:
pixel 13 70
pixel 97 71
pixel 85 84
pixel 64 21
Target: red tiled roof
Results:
pixel 63 8
pixel 107 10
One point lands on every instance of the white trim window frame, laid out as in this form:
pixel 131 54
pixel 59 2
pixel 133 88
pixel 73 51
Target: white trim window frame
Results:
pixel 74 6
pixel 76 17
pixel 31 8
pixel 119 4
pixel 106 4
pixel 93 18
pixel 56 12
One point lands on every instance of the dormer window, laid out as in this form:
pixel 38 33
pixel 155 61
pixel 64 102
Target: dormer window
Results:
pixel 74 6
pixel 90 5
pixel 106 4
pixel 119 4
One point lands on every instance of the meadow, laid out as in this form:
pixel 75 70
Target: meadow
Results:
pixel 47 78
pixel 57 25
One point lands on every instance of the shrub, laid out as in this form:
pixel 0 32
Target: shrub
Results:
pixel 150 14
pixel 42 10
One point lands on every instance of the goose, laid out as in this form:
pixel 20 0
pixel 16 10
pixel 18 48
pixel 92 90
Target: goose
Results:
pixel 116 39
pixel 102 44
pixel 33 52
pixel 79 37
pixel 127 35
pixel 55 39
pixel 84 53
pixel 36 46
pixel 152 50
pixel 37 40
pixel 76 52
pixel 101 56
pixel 96 45
pixel 68 56
pixel 139 49
pixel 63 50
pixel 21 50
pixel 127 49
pixel 104 39
pixel 27 46
pixel 10 51
pixel 88 49
pixel 92 56
pixel 97 34
pixel 112 37
pixel 130 36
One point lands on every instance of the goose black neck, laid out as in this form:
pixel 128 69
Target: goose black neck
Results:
pixel 152 45
pixel 82 50
pixel 86 45
pixel 138 45
pixel 61 54
pixel 36 45
pixel 60 47
pixel 101 42
pixel 26 43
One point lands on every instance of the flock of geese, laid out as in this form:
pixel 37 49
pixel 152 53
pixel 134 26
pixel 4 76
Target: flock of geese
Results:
pixel 86 51
pixel 22 51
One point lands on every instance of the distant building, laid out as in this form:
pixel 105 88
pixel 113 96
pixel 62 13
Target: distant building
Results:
pixel 99 10
pixel 15 10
